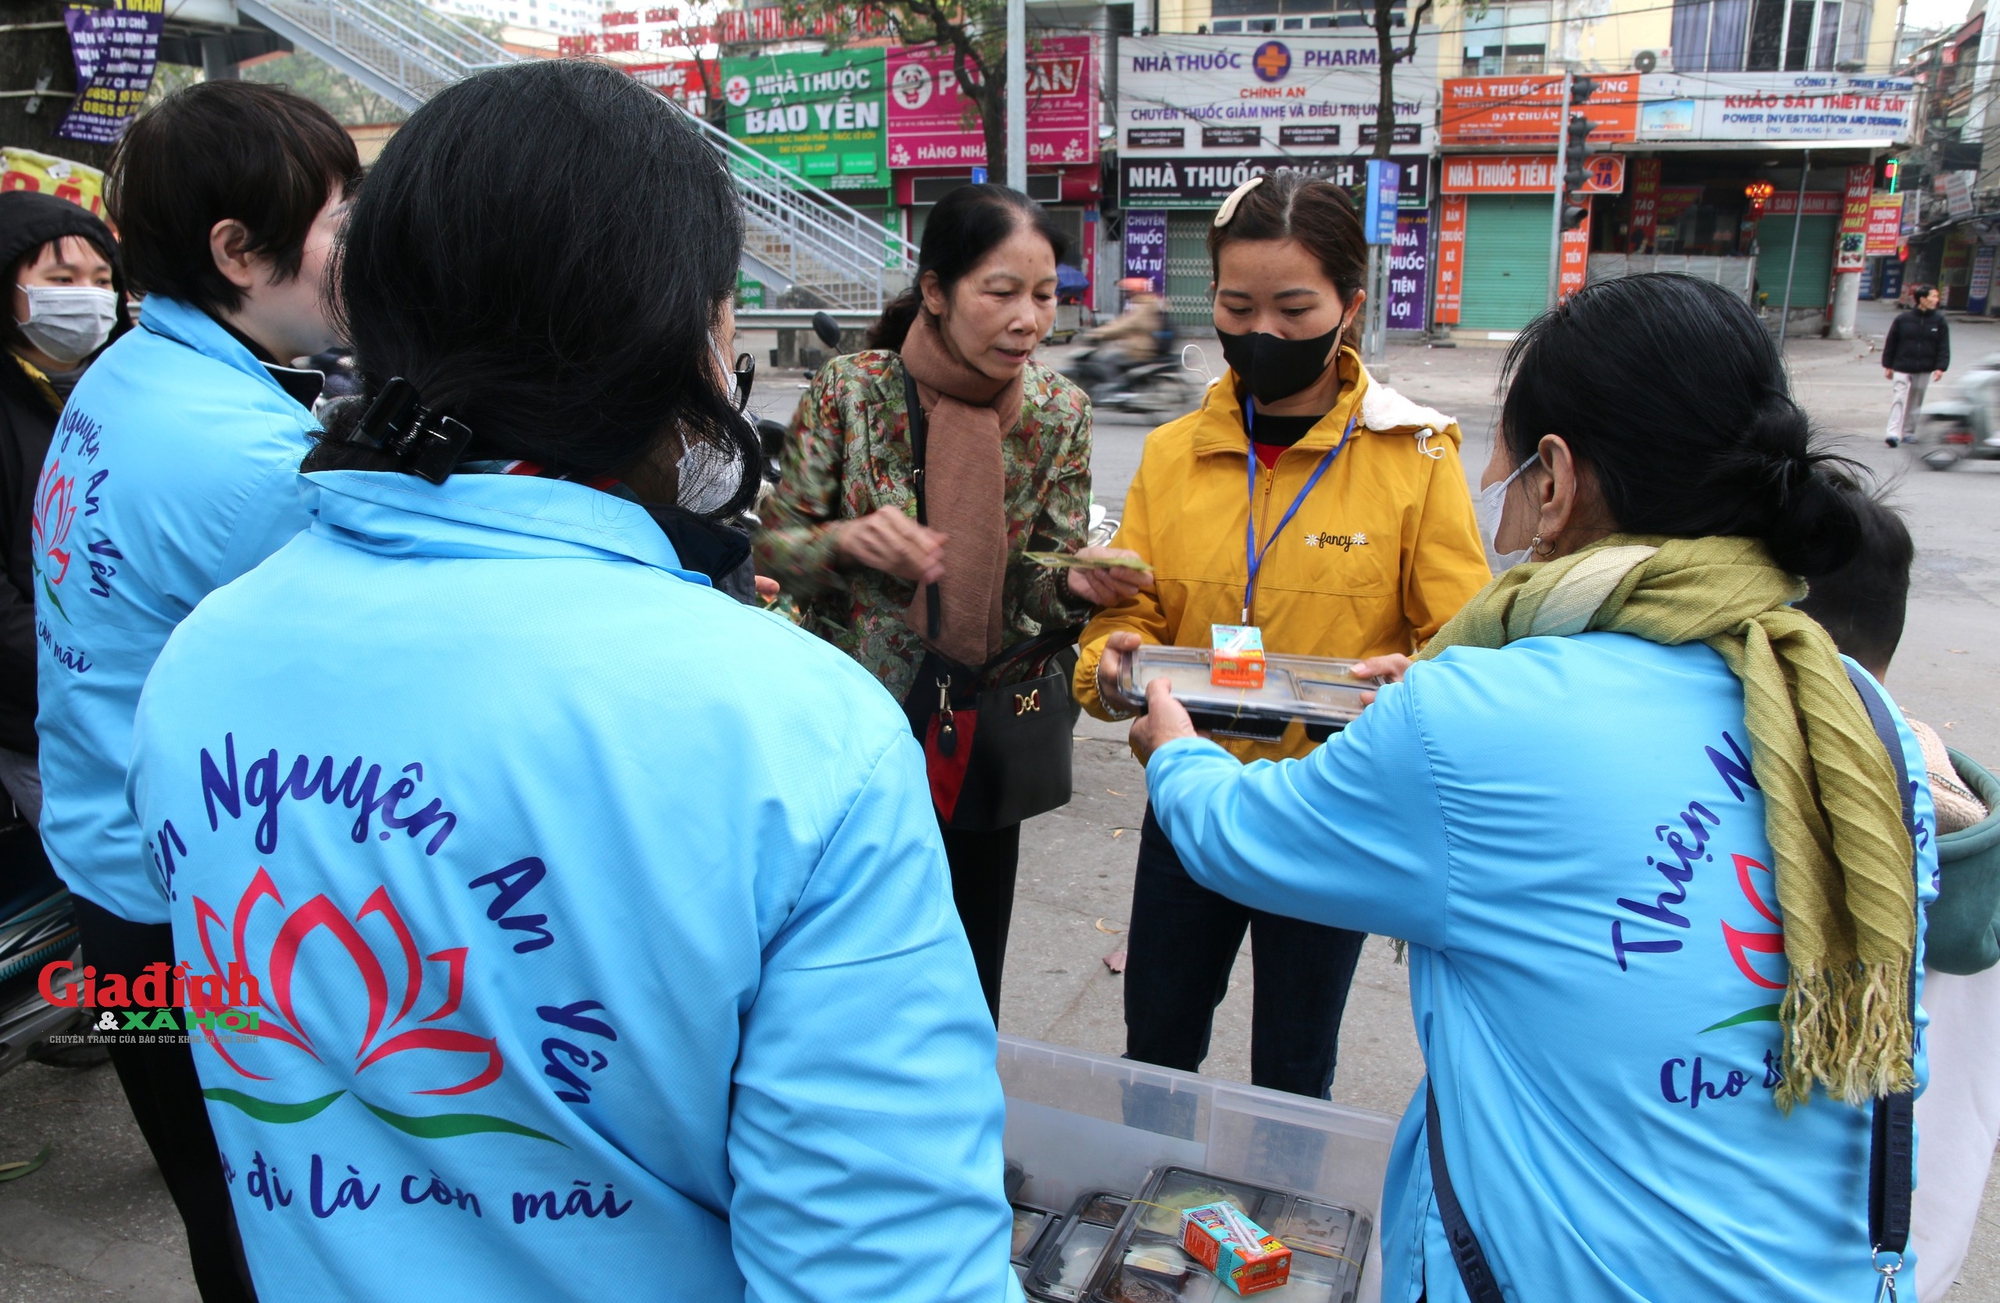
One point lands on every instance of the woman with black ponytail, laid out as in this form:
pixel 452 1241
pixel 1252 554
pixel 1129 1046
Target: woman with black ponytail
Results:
pixel 1659 854
pixel 592 926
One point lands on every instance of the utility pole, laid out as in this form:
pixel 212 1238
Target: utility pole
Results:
pixel 1562 165
pixel 1017 95
pixel 1792 263
pixel 1379 228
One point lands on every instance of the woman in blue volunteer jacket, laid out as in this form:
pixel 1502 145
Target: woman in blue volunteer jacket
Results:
pixel 596 926
pixel 1639 832
pixel 173 470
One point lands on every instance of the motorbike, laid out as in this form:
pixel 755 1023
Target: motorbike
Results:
pixel 1962 423
pixel 37 927
pixel 1160 386
pixel 1102 527
pixel 771 434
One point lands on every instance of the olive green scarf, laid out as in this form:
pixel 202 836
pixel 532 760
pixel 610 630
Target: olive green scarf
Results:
pixel 1832 812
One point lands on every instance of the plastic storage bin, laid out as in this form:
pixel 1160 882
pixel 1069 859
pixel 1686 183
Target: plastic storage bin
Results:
pixel 1079 1122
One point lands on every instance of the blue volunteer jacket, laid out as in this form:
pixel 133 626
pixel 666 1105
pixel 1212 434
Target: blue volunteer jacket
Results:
pixel 174 470
pixel 1567 833
pixel 601 925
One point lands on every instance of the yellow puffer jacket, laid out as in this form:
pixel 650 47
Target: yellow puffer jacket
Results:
pixel 1382 552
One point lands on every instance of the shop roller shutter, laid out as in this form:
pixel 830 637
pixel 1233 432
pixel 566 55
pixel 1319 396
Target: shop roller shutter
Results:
pixel 1506 260
pixel 1188 272
pixel 1814 275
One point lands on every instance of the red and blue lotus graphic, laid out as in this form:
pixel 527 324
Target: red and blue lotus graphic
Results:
pixel 360 966
pixel 48 528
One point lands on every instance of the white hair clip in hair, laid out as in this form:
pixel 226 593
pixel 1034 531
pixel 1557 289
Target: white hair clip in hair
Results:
pixel 1228 209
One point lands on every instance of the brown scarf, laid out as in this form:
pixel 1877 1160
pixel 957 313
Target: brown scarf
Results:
pixel 968 413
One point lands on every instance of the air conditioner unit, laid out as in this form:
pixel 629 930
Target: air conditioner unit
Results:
pixel 1659 60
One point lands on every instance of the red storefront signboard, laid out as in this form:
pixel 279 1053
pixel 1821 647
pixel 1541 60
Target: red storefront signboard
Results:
pixel 931 125
pixel 1885 226
pixel 1528 110
pixel 684 81
pixel 1575 265
pixel 1852 250
pixel 1506 174
pixel 1645 203
pixel 1451 258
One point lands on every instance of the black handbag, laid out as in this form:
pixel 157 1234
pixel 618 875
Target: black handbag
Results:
pixel 996 737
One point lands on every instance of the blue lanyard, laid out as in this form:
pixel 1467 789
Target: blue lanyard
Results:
pixel 1252 554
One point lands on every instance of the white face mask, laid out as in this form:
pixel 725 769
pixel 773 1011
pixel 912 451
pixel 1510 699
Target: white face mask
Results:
pixel 68 322
pixel 1492 505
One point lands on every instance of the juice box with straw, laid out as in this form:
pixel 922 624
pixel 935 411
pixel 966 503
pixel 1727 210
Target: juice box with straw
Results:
pixel 1236 658
pixel 1242 1254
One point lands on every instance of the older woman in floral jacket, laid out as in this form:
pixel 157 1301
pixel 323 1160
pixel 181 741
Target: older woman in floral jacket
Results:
pixel 1007 471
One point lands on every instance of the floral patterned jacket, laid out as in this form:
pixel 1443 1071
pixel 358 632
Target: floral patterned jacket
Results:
pixel 850 455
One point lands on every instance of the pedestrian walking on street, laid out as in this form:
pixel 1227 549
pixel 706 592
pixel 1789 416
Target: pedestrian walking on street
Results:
pixel 1359 540
pixel 175 470
pixel 1647 837
pixel 1006 443
pixel 1916 351
pixel 601 925
pixel 68 300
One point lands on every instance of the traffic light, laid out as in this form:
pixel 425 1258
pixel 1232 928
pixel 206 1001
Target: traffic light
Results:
pixel 1581 89
pixel 1574 173
pixel 1575 211
pixel 1891 173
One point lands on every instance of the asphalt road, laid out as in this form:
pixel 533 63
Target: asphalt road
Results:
pixel 96 1223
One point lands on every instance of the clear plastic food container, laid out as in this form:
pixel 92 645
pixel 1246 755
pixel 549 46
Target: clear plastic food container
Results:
pixel 1080 1124
pixel 1317 691
pixel 1143 1263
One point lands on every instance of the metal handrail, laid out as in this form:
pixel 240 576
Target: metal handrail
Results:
pixel 407 51
pixel 746 164
pixel 410 47
pixel 439 37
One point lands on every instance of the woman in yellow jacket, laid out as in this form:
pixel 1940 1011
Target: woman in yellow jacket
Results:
pixel 1361 542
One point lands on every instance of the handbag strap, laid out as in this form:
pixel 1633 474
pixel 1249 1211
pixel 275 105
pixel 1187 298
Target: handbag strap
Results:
pixel 1473 1271
pixel 1892 1138
pixel 919 436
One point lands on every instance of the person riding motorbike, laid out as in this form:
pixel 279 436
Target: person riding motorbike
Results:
pixel 1134 334
pixel 1131 339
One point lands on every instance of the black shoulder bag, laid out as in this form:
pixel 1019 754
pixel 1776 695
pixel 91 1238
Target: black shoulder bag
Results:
pixel 1892 1141
pixel 996 737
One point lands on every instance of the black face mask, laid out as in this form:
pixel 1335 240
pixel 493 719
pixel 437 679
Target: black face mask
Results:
pixel 1273 369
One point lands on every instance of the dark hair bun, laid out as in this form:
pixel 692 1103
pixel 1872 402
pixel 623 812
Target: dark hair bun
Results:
pixel 1670 390
pixel 1812 527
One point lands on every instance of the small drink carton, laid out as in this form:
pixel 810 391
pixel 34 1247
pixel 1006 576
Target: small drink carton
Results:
pixel 1242 1254
pixel 1237 660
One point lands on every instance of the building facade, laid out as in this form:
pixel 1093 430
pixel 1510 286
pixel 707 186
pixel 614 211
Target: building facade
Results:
pixel 1738 140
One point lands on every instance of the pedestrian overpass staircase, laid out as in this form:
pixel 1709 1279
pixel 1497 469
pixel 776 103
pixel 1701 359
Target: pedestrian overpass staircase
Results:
pixel 808 246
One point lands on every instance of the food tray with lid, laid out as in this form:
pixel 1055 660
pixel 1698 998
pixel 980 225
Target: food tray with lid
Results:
pixel 1319 692
pixel 1145 1263
pixel 1071 1254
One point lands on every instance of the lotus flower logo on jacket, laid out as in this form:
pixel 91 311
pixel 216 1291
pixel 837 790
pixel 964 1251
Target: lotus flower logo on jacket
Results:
pixel 49 528
pixel 406 1013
